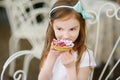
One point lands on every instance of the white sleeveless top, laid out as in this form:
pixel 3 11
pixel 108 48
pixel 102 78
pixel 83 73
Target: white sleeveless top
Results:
pixel 59 71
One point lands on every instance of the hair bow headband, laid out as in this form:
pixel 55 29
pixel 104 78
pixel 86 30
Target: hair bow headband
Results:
pixel 77 8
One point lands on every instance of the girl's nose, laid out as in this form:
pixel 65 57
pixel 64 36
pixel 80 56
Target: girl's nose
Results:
pixel 65 35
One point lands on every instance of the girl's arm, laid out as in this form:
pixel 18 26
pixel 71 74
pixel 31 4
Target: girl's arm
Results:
pixel 46 70
pixel 68 61
pixel 83 73
pixel 71 73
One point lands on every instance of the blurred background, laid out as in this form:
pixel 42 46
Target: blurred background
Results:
pixel 23 24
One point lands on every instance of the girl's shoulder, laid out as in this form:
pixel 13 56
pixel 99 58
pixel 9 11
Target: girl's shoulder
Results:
pixel 87 50
pixel 87 59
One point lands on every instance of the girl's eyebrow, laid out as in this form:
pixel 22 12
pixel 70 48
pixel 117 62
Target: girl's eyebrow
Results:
pixel 71 27
pixel 74 26
pixel 58 26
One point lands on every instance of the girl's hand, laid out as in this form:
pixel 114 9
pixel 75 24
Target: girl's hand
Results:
pixel 67 59
pixel 53 51
pixel 66 56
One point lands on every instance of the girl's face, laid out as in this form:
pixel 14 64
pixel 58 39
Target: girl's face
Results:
pixel 66 28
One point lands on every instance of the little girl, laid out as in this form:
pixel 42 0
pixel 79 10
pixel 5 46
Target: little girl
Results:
pixel 67 22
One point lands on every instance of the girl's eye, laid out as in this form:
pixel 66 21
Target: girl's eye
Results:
pixel 72 29
pixel 59 29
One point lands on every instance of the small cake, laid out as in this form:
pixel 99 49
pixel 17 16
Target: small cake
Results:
pixel 62 45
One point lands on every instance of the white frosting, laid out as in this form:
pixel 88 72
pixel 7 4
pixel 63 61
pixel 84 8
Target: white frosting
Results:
pixel 67 42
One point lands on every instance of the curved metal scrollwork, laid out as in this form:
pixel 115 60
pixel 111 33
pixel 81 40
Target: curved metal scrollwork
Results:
pixel 94 19
pixel 117 13
pixel 110 10
pixel 20 73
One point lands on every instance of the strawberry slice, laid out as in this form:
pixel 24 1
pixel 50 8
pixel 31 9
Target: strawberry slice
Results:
pixel 62 44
